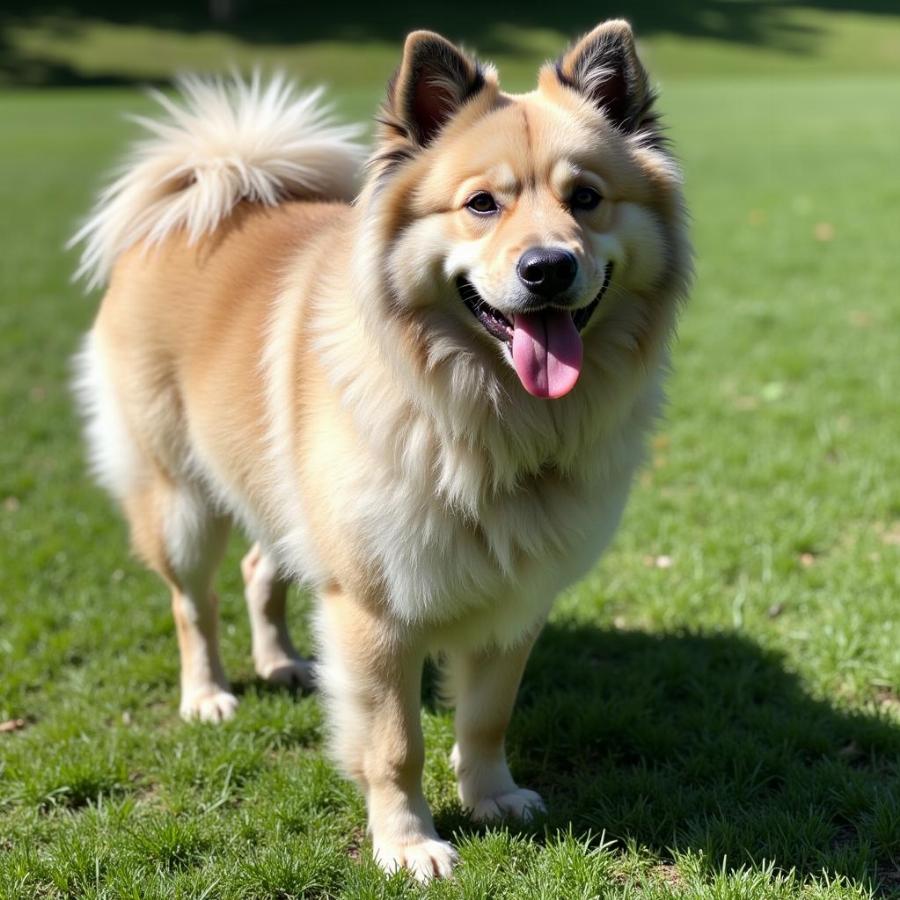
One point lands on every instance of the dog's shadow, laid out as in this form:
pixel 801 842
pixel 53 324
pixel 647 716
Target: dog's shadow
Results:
pixel 703 743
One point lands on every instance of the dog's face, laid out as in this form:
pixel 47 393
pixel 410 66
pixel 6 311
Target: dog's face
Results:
pixel 512 216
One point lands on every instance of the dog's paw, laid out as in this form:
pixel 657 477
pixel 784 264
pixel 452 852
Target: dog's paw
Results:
pixel 521 804
pixel 426 859
pixel 287 671
pixel 209 705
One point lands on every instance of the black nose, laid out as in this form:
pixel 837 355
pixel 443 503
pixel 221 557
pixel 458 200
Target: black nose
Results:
pixel 547 272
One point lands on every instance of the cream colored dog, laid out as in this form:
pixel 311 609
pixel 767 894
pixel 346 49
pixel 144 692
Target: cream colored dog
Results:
pixel 427 403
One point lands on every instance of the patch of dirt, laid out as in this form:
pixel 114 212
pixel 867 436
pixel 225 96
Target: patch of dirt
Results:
pixel 887 697
pixel 668 873
pixel 357 839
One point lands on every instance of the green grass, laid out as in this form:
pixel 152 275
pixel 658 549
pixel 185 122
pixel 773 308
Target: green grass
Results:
pixel 348 44
pixel 714 712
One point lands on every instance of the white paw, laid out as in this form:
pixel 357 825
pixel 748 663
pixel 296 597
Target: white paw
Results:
pixel 520 804
pixel 287 671
pixel 426 859
pixel 210 705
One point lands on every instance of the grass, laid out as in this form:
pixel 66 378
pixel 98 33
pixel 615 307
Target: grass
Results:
pixel 108 43
pixel 714 712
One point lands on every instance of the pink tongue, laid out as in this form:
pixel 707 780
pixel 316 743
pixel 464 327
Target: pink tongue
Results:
pixel 546 352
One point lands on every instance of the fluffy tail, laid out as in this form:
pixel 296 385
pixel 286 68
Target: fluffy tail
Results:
pixel 222 143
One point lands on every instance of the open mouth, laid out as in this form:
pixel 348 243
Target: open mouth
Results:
pixel 497 325
pixel 545 345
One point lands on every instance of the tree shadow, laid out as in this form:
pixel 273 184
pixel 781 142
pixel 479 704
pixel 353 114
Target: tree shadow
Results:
pixel 268 21
pixel 707 743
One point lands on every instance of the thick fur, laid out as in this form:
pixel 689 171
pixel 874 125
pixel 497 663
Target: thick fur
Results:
pixel 267 354
pixel 226 142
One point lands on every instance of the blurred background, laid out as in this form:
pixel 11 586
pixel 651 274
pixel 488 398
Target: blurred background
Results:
pixel 46 44
pixel 723 690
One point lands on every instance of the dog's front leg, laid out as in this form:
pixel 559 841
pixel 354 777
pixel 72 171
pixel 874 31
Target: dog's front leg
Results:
pixel 484 686
pixel 370 676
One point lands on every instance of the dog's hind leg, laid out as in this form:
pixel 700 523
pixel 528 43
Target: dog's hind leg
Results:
pixel 484 686
pixel 274 656
pixel 176 531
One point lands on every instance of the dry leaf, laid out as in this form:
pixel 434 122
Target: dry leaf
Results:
pixel 824 232
pixel 12 725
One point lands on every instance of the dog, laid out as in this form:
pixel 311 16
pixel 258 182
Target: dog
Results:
pixel 425 397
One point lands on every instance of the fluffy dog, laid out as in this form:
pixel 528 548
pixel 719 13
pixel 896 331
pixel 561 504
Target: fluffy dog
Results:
pixel 425 399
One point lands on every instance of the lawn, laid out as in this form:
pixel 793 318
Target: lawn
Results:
pixel 713 712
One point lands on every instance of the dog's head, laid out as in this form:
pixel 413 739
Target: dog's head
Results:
pixel 513 224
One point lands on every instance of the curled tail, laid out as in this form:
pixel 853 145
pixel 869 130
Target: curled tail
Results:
pixel 223 142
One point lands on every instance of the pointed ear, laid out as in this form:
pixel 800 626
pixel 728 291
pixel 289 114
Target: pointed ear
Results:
pixel 604 67
pixel 434 80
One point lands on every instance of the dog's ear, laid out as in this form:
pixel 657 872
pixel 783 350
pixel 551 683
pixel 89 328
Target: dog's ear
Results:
pixel 604 67
pixel 434 80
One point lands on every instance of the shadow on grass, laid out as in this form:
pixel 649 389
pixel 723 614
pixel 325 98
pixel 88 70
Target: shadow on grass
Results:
pixel 257 685
pixel 705 743
pixel 267 21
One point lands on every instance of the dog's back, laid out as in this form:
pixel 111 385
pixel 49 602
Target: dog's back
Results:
pixel 194 240
pixel 182 329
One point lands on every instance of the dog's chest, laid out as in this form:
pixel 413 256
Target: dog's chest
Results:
pixel 446 554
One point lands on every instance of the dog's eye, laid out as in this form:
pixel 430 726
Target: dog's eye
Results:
pixel 585 198
pixel 482 203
